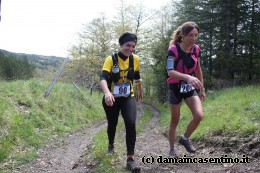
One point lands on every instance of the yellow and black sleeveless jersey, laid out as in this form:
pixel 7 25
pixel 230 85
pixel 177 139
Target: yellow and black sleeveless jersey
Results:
pixel 123 63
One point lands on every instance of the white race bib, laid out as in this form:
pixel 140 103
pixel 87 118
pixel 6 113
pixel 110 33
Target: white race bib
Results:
pixel 185 88
pixel 122 89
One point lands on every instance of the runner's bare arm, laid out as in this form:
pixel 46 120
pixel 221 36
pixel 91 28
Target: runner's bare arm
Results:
pixel 199 75
pixel 140 93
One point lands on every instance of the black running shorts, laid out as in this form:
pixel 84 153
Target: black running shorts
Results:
pixel 175 97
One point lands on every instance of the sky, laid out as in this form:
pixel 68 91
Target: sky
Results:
pixel 50 27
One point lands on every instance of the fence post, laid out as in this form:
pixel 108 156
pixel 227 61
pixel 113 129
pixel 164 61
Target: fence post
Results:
pixel 55 79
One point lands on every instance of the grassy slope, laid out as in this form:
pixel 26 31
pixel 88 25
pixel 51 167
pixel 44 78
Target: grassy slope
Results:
pixel 28 120
pixel 234 111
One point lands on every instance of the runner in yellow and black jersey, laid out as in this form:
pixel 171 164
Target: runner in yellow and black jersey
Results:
pixel 119 72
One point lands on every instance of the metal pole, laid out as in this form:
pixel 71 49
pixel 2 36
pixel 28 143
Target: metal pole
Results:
pixel 80 91
pixel 55 79
pixel 93 81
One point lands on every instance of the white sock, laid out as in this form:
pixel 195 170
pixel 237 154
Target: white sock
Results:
pixel 183 137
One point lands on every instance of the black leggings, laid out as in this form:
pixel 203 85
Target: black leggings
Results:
pixel 128 111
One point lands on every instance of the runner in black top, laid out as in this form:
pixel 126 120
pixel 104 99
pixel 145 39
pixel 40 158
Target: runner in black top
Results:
pixel 116 81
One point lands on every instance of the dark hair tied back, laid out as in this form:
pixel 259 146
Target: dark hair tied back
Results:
pixel 127 36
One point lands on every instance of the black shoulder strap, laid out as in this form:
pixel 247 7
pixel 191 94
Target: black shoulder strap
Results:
pixel 178 57
pixel 194 51
pixel 114 57
pixel 131 62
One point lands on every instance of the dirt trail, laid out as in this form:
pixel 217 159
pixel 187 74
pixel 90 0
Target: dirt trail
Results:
pixel 62 157
pixel 69 154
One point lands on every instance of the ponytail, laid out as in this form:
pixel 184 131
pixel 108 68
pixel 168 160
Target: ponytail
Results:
pixel 176 36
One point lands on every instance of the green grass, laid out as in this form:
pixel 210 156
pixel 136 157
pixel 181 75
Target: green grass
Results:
pixel 233 111
pixel 28 120
pixel 144 120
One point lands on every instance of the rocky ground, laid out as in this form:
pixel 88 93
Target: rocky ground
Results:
pixel 66 155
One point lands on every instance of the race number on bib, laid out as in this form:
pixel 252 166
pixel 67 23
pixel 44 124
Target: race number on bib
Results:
pixel 122 89
pixel 185 88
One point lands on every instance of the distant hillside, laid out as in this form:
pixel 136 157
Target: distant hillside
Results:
pixel 40 61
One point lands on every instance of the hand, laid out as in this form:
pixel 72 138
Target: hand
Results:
pixel 109 99
pixel 202 95
pixel 195 82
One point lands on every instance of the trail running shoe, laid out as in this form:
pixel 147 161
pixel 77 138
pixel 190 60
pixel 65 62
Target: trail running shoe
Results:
pixel 132 166
pixel 187 144
pixel 110 150
pixel 173 153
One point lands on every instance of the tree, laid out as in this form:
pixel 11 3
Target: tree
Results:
pixel 224 26
pixel 96 37
pixel 158 43
pixel 95 43
pixel 122 21
pixel 249 31
pixel 13 68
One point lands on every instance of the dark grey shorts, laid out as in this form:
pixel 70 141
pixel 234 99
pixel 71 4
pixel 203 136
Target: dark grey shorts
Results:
pixel 175 97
